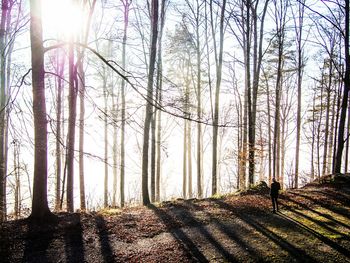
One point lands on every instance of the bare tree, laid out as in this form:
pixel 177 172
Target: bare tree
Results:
pixel 299 24
pixel 344 105
pixel 280 11
pixel 5 15
pixel 40 209
pixel 149 113
pixel 159 95
pixel 126 5
pixel 59 82
pixel 218 60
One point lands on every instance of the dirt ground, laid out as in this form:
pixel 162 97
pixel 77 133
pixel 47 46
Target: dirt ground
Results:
pixel 312 226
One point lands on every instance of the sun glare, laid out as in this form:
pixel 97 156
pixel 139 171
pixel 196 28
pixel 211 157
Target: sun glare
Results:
pixel 62 18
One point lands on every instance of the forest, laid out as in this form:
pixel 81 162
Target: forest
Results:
pixel 122 103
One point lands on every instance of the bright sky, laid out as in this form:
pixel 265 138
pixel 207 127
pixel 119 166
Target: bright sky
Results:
pixel 62 17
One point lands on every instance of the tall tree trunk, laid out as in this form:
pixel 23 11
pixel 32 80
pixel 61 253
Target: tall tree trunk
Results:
pixel 332 131
pixel 72 97
pixel 326 128
pixel 115 109
pixel 219 59
pixel 347 144
pixel 153 153
pixel 262 151
pixel 299 33
pixel 126 4
pixel 148 115
pixel 105 95
pixel 81 135
pixel 17 179
pixel 340 90
pixel 283 150
pixel 189 156
pixel 276 135
pixel 339 153
pixel 257 61
pixel 81 86
pixel 318 135
pixel 184 162
pixel 199 108
pixel 159 101
pixel 269 124
pixel 313 138
pixel 280 34
pixel 247 149
pixel 60 87
pixel 3 95
pixel 40 209
pixel 122 146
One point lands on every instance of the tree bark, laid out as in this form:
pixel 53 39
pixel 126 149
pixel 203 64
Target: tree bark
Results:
pixel 149 113
pixel 72 105
pixel 159 101
pixel 105 96
pixel 81 135
pixel 257 61
pixel 60 70
pixel 326 128
pixel 40 209
pixel 299 32
pixel 219 59
pixel 339 153
pixel 3 95
pixel 126 4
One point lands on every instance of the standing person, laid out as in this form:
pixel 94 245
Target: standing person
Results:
pixel 275 187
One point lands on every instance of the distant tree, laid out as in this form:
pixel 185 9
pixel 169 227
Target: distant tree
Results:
pixel 72 105
pixel 81 86
pixel 196 20
pixel 105 120
pixel 218 50
pixel 60 62
pixel 159 94
pixel 126 8
pixel 181 50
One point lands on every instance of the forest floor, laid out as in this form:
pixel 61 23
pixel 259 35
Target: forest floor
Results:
pixel 313 225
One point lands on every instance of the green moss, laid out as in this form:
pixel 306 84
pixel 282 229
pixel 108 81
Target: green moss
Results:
pixel 311 222
pixel 110 211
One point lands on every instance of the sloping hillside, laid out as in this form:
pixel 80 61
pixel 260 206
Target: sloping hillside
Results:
pixel 312 226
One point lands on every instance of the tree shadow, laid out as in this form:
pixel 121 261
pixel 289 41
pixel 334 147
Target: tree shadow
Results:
pixel 322 238
pixel 180 236
pixel 331 207
pixel 73 236
pixel 233 235
pixel 38 240
pixel 297 254
pixel 11 235
pixel 322 224
pixel 106 249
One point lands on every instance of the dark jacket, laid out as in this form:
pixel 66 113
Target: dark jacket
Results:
pixel 275 187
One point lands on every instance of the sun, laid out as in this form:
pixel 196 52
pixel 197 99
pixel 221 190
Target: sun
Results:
pixel 62 18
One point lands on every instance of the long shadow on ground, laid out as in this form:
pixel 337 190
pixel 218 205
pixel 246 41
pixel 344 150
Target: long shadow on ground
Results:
pixel 106 249
pixel 294 252
pixel 37 242
pixel 73 237
pixel 194 254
